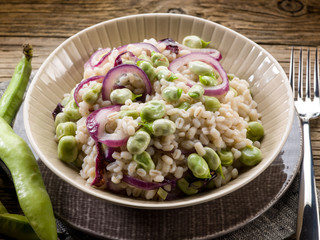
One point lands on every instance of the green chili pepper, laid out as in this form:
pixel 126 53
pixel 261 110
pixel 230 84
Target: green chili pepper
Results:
pixel 32 195
pixel 16 226
pixel 13 96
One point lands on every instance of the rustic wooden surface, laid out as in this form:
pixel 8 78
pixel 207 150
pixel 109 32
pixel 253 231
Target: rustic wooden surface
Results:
pixel 276 25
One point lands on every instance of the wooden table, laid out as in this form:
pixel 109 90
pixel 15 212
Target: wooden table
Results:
pixel 276 25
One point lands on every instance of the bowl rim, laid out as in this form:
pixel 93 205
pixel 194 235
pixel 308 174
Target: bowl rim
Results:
pixel 147 204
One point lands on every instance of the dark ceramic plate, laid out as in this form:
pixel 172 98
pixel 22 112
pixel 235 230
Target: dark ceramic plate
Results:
pixel 212 219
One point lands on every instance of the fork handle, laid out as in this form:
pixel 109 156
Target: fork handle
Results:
pixel 308 211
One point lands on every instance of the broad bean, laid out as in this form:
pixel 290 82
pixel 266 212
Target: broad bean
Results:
pixel 198 166
pixel 185 187
pixel 92 95
pixel 200 68
pixel 193 41
pixel 129 113
pixel 152 110
pixel 171 94
pixel 120 96
pixel 147 67
pixel 138 142
pixel 60 118
pixel 226 157
pixel 196 91
pixel 163 127
pixel 255 131
pixel 144 161
pixel 250 156
pixel 184 105
pixel 159 59
pixel 66 129
pixel 166 75
pixel 212 158
pixel 211 103
pixel 68 149
pixel 208 80
pixel 72 111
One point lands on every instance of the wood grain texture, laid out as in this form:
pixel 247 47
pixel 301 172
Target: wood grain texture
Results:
pixel 276 25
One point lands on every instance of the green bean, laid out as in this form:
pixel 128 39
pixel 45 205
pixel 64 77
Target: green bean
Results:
pixel 67 149
pixel 72 111
pixel 212 158
pixel 147 67
pixel 139 142
pixel 163 127
pixel 92 95
pixel 2 208
pixel 250 156
pixel 60 118
pixel 144 161
pixel 32 195
pixel 184 105
pixel 120 96
pixel 198 166
pixel 13 96
pixel 17 227
pixel 208 80
pixel 226 157
pixel 152 110
pixel 159 59
pixel 66 129
pixel 166 75
pixel 211 103
pixel 171 94
pixel 129 113
pixel 185 187
pixel 196 91
pixel 193 41
pixel 200 68
pixel 255 131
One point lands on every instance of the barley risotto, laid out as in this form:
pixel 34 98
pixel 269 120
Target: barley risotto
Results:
pixel 158 120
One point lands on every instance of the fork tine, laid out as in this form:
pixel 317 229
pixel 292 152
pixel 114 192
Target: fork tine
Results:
pixel 300 76
pixel 291 72
pixel 316 75
pixel 308 76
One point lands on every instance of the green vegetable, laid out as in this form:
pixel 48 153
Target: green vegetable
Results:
pixel 196 91
pixel 152 110
pixel 212 158
pixel 147 67
pixel 193 41
pixel 226 157
pixel 67 149
pixel 163 127
pixel 184 105
pixel 17 227
pixel 159 59
pixel 200 68
pixel 66 129
pixel 144 161
pixel 162 193
pixel 198 166
pixel 139 142
pixel 129 113
pixel 208 80
pixel 71 110
pixel 167 75
pixel 120 96
pixel 255 131
pixel 92 95
pixel 234 91
pixel 230 77
pixel 60 118
pixel 32 195
pixel 67 99
pixel 185 187
pixel 171 94
pixel 211 103
pixel 250 156
pixel 13 96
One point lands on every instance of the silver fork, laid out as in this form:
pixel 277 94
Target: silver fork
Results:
pixel 308 108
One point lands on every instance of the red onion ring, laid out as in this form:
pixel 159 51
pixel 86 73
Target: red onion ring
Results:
pixel 96 122
pixel 119 61
pixel 96 57
pixel 204 57
pixel 84 82
pixel 113 75
pixel 147 185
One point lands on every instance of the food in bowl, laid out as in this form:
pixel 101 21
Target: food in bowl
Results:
pixel 158 120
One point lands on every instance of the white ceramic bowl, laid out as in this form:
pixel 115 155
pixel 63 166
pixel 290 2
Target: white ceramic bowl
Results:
pixel 63 69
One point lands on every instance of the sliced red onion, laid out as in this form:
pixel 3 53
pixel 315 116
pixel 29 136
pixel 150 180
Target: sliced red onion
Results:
pixel 171 45
pixel 96 122
pixel 101 164
pixel 96 57
pixel 84 82
pixel 119 61
pixel 110 80
pixel 211 51
pixel 222 88
pixel 147 185
pixel 145 46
